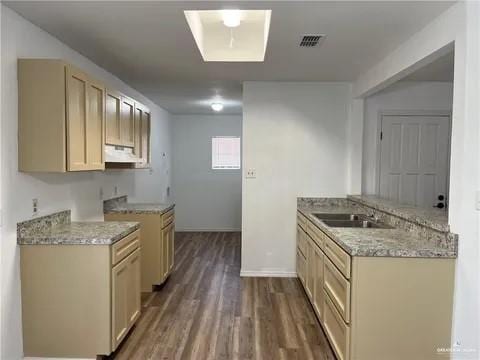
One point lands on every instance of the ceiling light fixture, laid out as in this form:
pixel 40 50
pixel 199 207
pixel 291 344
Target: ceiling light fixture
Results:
pixel 231 18
pixel 217 106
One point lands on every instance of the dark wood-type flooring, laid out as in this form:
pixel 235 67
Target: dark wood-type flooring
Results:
pixel 206 311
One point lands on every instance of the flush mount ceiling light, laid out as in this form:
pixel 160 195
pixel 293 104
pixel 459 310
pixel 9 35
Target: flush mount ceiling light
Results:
pixel 230 35
pixel 231 18
pixel 217 106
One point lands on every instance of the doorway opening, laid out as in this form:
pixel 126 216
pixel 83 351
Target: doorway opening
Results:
pixel 408 160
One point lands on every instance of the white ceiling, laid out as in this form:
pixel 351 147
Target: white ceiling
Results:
pixel 149 44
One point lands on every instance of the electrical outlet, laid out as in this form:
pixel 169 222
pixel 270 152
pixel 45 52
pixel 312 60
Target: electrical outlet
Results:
pixel 35 206
pixel 251 174
pixel 115 190
pixel 100 193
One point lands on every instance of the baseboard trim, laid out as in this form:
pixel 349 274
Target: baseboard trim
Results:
pixel 267 273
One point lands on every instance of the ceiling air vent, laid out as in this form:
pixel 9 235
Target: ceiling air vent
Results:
pixel 311 40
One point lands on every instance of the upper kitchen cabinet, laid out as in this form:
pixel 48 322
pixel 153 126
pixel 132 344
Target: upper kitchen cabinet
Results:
pixel 61 123
pixel 142 135
pixel 127 122
pixel 120 122
pixel 113 112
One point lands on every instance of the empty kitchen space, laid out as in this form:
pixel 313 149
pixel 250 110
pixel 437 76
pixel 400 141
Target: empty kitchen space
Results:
pixel 240 180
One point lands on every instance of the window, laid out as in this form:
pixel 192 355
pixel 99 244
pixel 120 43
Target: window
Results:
pixel 226 152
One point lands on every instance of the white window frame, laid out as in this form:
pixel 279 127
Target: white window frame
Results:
pixel 215 165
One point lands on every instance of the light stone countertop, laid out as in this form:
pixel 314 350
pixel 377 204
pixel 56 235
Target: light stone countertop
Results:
pixel 138 208
pixel 433 218
pixel 120 205
pixel 371 242
pixel 58 229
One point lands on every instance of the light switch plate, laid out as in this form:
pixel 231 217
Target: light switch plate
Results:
pixel 251 174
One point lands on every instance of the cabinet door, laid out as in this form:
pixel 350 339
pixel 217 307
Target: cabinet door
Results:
pixel 125 296
pixel 301 267
pixel 142 135
pixel 145 138
pixel 137 143
pixel 85 104
pixel 310 280
pixel 127 122
pixel 318 282
pixel 120 320
pixel 133 288
pixel 171 247
pixel 165 249
pixel 113 111
pixel 95 125
pixel 76 103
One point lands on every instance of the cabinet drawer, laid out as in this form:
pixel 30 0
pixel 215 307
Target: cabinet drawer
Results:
pixel 338 288
pixel 301 220
pixel 122 248
pixel 301 241
pixel 168 218
pixel 301 264
pixel 338 257
pixel 337 331
pixel 316 234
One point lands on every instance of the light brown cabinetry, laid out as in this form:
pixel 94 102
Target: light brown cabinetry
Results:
pixel 168 235
pixel 376 307
pixel 79 301
pixel 127 122
pixel 318 294
pixel 125 296
pixel 120 119
pixel 113 111
pixel 142 136
pixel 157 243
pixel 69 121
pixel 61 118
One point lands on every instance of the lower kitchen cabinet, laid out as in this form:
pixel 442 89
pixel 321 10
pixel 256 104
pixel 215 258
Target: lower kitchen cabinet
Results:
pixel 376 308
pixel 317 296
pixel 301 251
pixel 79 301
pixel 168 235
pixel 125 299
pixel 310 269
pixel 157 243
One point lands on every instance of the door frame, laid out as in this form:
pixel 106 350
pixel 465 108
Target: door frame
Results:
pixel 378 144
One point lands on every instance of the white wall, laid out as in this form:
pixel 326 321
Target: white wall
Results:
pixel 295 137
pixel 423 96
pixel 206 199
pixel 459 24
pixel 77 191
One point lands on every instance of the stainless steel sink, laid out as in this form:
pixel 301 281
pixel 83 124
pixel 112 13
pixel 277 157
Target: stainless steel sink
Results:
pixel 355 224
pixel 330 216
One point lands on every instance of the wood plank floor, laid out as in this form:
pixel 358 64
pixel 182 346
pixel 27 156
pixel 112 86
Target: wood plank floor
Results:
pixel 206 311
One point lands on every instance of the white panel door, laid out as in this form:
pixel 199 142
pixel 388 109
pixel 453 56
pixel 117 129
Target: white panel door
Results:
pixel 414 159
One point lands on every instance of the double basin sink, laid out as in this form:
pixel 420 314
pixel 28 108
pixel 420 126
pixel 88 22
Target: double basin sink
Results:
pixel 350 221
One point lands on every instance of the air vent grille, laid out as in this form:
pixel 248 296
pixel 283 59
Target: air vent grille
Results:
pixel 311 40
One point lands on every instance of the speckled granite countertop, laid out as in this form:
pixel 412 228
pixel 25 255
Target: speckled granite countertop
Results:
pixel 57 229
pixel 375 242
pixel 133 208
pixel 120 205
pixel 434 218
